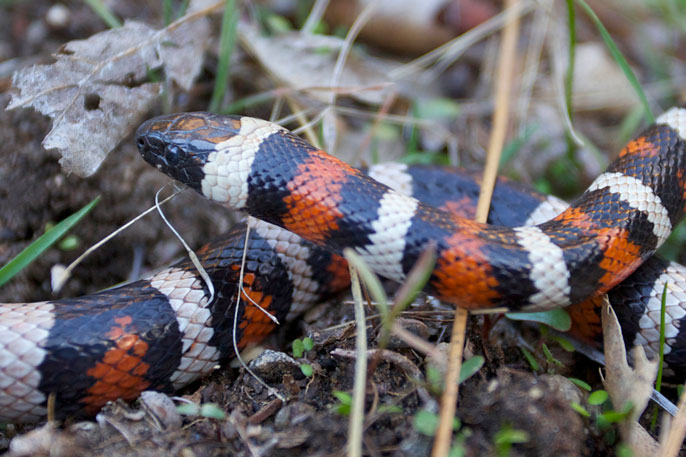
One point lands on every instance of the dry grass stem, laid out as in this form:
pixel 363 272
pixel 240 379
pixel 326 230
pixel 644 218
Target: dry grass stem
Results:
pixel 506 63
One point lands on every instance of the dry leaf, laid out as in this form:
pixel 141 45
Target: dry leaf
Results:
pixel 625 384
pixel 96 91
pixel 304 61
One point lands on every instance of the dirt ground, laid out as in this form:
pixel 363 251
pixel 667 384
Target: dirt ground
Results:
pixel 34 192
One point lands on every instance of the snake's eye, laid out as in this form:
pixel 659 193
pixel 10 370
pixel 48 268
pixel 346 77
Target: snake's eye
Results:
pixel 174 154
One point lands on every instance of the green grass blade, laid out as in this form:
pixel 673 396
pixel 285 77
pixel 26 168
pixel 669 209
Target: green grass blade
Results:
pixel 371 282
pixel 415 281
pixel 104 13
pixel 170 14
pixel 569 80
pixel 621 61
pixel 31 252
pixel 167 10
pixel 227 42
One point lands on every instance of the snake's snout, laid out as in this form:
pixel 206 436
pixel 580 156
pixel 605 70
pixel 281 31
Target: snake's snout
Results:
pixel 176 145
pixel 151 148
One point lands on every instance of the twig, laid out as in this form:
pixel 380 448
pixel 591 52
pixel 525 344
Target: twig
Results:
pixel 65 274
pixel 354 30
pixel 449 397
pixel 266 411
pixel 52 400
pixel 415 342
pixel 191 254
pixel 356 423
pixel 329 132
pixel 506 61
pixel 234 332
pixel 306 125
pixel 500 115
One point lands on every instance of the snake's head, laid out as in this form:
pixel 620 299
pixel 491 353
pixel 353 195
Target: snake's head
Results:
pixel 179 144
pixel 208 152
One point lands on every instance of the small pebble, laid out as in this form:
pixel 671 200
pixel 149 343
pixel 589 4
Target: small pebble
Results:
pixel 163 408
pixel 272 365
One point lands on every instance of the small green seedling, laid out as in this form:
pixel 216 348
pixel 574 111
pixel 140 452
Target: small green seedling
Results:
pixel 597 398
pixel 345 400
pixel 533 363
pixel 550 358
pixel 558 319
pixel 581 384
pixel 579 408
pixel 426 422
pixel 470 367
pixel 612 416
pixel 608 416
pixel 306 369
pixel 506 437
pixel 299 348
pixel 206 410
pixel 623 450
pixel 69 243
pixel 434 377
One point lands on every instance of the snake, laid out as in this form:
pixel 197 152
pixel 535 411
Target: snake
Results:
pixel 535 252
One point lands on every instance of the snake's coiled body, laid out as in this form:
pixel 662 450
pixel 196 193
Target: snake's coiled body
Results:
pixel 262 169
pixel 161 333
